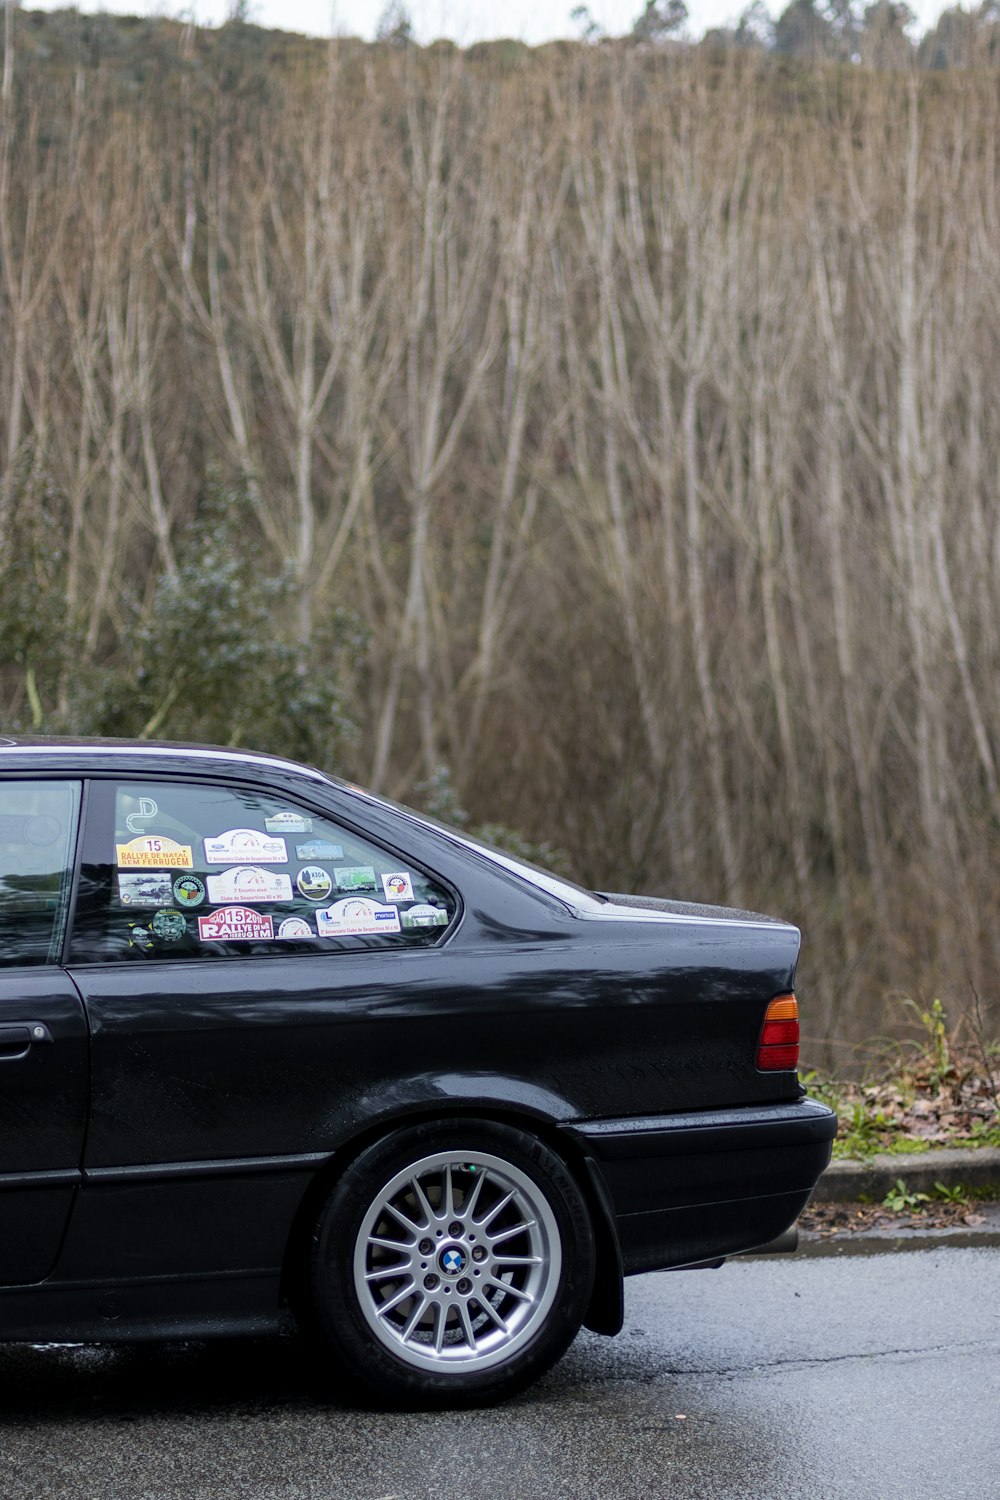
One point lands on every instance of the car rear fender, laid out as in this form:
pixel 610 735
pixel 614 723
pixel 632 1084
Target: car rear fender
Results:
pixel 605 1313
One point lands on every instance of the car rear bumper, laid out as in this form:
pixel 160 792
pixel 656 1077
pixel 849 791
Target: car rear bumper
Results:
pixel 690 1188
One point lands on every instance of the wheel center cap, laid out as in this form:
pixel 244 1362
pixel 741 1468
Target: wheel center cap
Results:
pixel 453 1260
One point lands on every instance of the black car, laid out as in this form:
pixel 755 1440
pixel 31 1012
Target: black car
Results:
pixel 274 1048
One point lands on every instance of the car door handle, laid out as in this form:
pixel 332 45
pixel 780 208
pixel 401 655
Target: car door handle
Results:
pixel 15 1040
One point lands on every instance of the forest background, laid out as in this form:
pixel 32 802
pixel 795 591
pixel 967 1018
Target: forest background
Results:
pixel 599 439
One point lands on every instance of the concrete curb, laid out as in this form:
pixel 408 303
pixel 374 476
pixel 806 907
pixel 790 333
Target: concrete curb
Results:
pixel 850 1181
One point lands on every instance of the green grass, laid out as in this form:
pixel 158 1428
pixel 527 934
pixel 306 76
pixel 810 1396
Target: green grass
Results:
pixel 938 1091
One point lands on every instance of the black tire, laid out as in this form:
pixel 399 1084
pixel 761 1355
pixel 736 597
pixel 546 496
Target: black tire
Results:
pixel 431 1300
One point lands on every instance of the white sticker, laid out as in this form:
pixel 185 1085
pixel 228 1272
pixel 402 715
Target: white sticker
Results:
pixel 234 922
pixel 295 927
pixel 319 849
pixel 247 883
pixel 398 886
pixel 425 916
pixel 356 917
pixel 314 883
pixel 152 853
pixel 147 810
pixel 244 844
pixel 151 888
pixel 288 822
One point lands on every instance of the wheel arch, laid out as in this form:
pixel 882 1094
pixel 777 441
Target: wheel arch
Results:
pixel 605 1312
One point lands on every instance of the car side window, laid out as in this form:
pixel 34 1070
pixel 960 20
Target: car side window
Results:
pixel 38 822
pixel 191 870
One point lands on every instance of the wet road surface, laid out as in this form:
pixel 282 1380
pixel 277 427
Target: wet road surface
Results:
pixel 859 1376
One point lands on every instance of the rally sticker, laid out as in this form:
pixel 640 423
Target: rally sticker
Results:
pixel 314 883
pixel 295 927
pixel 169 925
pixel 247 844
pixel 234 922
pixel 151 853
pixel 355 878
pixel 146 889
pixel 398 886
pixel 288 822
pixel 249 883
pixel 319 849
pixel 424 916
pixel 188 890
pixel 356 917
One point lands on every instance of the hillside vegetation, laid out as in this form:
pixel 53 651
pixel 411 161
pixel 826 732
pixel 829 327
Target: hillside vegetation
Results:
pixel 604 435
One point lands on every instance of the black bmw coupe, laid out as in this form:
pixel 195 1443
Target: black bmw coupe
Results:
pixel 273 1049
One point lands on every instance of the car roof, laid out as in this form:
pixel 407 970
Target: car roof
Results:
pixel 67 748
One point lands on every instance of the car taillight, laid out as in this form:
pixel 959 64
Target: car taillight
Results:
pixel 778 1048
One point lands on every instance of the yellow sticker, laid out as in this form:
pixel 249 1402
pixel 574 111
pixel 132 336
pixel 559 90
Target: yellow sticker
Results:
pixel 152 853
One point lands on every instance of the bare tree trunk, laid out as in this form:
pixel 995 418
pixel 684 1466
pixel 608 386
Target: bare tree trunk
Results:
pixel 702 268
pixel 6 89
pixel 443 297
pixel 830 310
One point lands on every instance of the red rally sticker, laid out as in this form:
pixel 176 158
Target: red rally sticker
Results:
pixel 234 922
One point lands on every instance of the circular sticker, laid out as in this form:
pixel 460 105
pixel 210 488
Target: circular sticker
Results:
pixel 169 925
pixel 139 936
pixel 314 883
pixel 189 890
pixel 42 830
pixel 295 927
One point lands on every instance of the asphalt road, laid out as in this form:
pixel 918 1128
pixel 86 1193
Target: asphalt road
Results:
pixel 875 1377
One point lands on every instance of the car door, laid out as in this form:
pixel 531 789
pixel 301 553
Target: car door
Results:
pixel 228 946
pixel 43 1033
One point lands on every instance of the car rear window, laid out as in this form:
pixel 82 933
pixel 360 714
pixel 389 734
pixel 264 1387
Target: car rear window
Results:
pixel 192 870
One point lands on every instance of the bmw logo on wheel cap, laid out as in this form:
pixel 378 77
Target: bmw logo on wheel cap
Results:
pixel 452 1260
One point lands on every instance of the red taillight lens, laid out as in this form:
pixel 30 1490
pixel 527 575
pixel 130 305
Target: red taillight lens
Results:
pixel 778 1048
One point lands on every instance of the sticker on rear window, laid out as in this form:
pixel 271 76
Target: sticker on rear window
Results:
pixel 319 849
pixel 139 936
pixel 356 917
pixel 424 916
pixel 151 888
pixel 189 890
pixel 288 822
pixel 148 810
pixel 154 853
pixel 169 925
pixel 295 927
pixel 398 886
pixel 235 923
pixel 314 882
pixel 355 878
pixel 245 844
pixel 247 883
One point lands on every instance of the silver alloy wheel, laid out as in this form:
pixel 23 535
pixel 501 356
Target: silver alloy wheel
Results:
pixel 457 1262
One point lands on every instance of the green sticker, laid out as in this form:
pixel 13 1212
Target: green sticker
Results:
pixel 355 878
